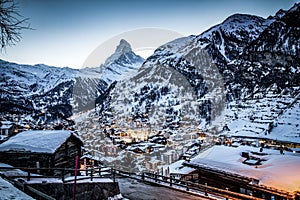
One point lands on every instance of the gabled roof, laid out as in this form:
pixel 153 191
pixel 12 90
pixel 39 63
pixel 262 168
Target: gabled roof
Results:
pixel 6 122
pixel 38 141
pixel 6 126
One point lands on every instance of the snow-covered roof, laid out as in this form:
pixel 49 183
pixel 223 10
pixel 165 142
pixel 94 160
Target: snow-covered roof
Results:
pixel 39 141
pixel 6 122
pixel 178 168
pixel 278 171
pixel 88 156
pixel 5 126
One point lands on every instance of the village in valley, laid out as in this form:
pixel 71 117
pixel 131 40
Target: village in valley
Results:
pixel 245 156
pixel 208 116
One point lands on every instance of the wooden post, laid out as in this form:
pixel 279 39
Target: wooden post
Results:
pixel 75 178
pixel 38 167
pixel 143 176
pixel 28 175
pixel 171 181
pixel 227 194
pixel 92 174
pixel 63 175
pixel 114 175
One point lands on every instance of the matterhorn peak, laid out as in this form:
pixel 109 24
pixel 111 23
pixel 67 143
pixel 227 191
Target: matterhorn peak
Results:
pixel 123 48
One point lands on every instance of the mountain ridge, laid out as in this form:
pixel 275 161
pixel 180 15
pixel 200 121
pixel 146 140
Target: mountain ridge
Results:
pixel 240 60
pixel 219 55
pixel 27 88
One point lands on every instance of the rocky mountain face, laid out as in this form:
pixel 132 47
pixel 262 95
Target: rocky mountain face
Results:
pixel 41 89
pixel 193 80
pixel 121 64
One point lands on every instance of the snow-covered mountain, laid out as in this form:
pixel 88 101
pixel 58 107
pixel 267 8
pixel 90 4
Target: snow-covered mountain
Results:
pixel 245 69
pixel 281 38
pixel 194 80
pixel 123 62
pixel 26 88
pixel 61 91
pixel 234 34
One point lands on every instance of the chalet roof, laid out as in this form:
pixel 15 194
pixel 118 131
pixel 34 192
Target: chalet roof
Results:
pixel 6 126
pixel 278 171
pixel 6 122
pixel 38 141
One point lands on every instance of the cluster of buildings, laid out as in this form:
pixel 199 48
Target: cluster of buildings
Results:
pixel 12 124
pixel 112 145
pixel 7 129
pixel 173 153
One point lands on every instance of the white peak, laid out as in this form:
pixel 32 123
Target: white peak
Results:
pixel 123 48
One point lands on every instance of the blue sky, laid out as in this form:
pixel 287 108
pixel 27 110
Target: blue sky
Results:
pixel 67 31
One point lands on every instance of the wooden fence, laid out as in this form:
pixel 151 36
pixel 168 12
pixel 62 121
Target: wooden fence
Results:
pixel 153 178
pixel 202 190
pixel 65 172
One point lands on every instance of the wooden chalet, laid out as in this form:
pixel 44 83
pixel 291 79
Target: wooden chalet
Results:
pixel 6 130
pixel 42 149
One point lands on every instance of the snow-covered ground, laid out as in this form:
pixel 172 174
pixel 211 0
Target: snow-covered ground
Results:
pixel 278 171
pixel 9 192
pixel 275 116
pixel 288 125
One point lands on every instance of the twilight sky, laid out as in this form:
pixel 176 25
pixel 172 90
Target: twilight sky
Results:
pixel 68 31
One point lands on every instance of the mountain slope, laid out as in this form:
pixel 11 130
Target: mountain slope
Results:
pixel 238 60
pixel 61 91
pixel 234 34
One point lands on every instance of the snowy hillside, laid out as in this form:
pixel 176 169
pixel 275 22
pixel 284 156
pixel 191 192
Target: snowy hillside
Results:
pixel 61 91
pixel 213 79
pixel 274 116
pixel 194 87
pixel 30 80
pixel 234 34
